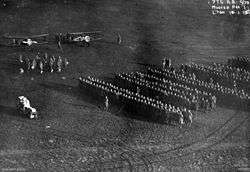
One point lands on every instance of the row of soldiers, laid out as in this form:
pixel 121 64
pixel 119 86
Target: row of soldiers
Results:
pixel 218 90
pixel 150 89
pixel 140 102
pixel 239 62
pixel 223 74
pixel 197 99
pixel 234 72
pixel 42 63
pixel 193 81
pixel 169 91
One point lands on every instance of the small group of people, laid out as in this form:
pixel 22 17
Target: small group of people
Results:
pixel 42 63
pixel 166 63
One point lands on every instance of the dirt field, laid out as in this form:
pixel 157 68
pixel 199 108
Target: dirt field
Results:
pixel 77 134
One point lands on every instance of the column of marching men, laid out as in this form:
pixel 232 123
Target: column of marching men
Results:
pixel 182 114
pixel 224 74
pixel 42 63
pixel 171 96
pixel 214 88
pixel 177 93
pixel 174 92
pixel 239 62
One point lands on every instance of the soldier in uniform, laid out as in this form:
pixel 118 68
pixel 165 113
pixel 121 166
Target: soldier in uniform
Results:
pixel 190 117
pixel 21 63
pixel 169 63
pixel 119 39
pixel 38 56
pixel 66 62
pixel 187 115
pixel 34 63
pixel 21 58
pixel 45 59
pixel 41 66
pixel 207 104
pixel 59 64
pixel 194 76
pixel 213 102
pixel 106 102
pixel 235 85
pixel 211 81
pixel 59 39
pixel 137 90
pixel 164 63
pixel 27 62
pixel 51 63
pixel 46 56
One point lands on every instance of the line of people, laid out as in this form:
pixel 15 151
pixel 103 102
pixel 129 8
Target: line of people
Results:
pixel 178 94
pixel 159 93
pixel 239 62
pixel 223 74
pixel 215 88
pixel 42 63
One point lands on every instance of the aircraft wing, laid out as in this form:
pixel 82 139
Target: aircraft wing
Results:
pixel 95 39
pixel 77 33
pixel 24 37
pixel 40 43
pixel 38 36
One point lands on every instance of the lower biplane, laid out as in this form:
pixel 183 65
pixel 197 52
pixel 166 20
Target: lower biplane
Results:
pixel 26 41
pixel 80 38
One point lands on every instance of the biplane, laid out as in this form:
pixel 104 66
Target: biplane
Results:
pixel 81 38
pixel 26 40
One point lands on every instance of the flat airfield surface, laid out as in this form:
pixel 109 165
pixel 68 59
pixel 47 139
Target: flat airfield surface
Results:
pixel 76 133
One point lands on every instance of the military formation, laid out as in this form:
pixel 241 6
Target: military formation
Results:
pixel 173 93
pixel 239 62
pixel 135 103
pixel 42 63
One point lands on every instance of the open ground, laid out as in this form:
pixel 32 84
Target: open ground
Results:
pixel 77 134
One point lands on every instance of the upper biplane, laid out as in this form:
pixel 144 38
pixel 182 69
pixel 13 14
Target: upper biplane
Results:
pixel 26 40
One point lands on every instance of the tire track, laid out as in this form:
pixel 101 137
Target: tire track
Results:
pixel 192 147
pixel 137 158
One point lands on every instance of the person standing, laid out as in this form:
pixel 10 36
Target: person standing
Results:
pixel 34 63
pixel 164 63
pixel 169 63
pixel 138 90
pixel 59 64
pixel 106 102
pixel 27 62
pixel 51 64
pixel 66 62
pixel 21 58
pixel 119 38
pixel 41 66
